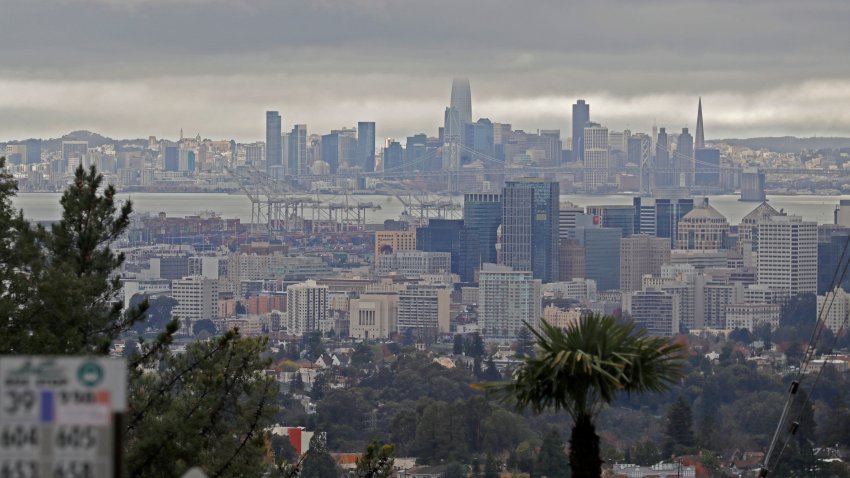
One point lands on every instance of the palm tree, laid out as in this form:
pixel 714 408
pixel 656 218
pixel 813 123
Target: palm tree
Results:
pixel 583 368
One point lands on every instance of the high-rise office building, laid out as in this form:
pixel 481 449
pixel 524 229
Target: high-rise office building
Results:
pixel 601 255
pixel 571 260
pixel 654 310
pixel 330 151
pixel 831 241
pixel 390 242
pixel 462 99
pixel 393 158
pixel 641 255
pixel 685 158
pixel 707 167
pixel 788 254
pixel 507 299
pixel 621 217
pixel 274 150
pixel 483 212
pixel 171 158
pixel 530 215
pixel 297 151
pixel 365 146
pixel 699 139
pixel 423 311
pixel 581 116
pixel 452 236
pixel 660 216
pixel 702 229
pixel 306 307
pixel 596 166
pixel 478 137
pixel 664 171
pixel 567 219
pixel 197 299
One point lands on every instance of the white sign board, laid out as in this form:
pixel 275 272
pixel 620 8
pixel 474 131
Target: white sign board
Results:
pixel 56 415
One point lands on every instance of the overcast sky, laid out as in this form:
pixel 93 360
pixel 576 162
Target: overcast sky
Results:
pixel 133 68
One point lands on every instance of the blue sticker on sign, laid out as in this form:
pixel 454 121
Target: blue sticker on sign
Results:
pixel 47 409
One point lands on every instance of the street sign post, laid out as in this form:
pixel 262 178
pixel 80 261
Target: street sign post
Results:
pixel 58 416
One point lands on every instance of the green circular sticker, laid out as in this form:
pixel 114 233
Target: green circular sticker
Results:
pixel 90 374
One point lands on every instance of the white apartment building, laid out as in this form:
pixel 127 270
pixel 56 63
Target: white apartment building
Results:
pixel 788 254
pixel 413 263
pixel 596 167
pixel 373 316
pixel 835 315
pixel 507 298
pixel 750 316
pixel 654 310
pixel 306 307
pixel 197 299
pixel 582 290
pixel 423 310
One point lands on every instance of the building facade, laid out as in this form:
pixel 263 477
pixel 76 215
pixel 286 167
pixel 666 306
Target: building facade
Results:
pixel 530 214
pixel 506 300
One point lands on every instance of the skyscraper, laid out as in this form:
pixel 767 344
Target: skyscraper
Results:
pixel 530 215
pixel 596 165
pixel 330 151
pixel 641 255
pixel 462 99
pixel 483 212
pixel 601 255
pixel 699 140
pixel 685 159
pixel 274 150
pixel 297 151
pixel 506 299
pixel 660 216
pixel 581 116
pixel 366 146
pixel 306 307
pixel 787 254
pixel 452 236
pixel 663 169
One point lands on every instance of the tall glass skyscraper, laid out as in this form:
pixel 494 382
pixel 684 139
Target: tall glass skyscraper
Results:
pixel 462 99
pixel 530 210
pixel 483 212
pixel 581 116
pixel 274 150
pixel 297 156
pixel 366 146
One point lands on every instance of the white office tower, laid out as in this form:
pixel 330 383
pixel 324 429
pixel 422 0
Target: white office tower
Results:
pixel 596 167
pixel 306 307
pixel 787 254
pixel 423 311
pixel 506 299
pixel 654 310
pixel 197 299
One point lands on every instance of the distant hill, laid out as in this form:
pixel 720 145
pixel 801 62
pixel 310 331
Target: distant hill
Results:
pixel 788 144
pixel 94 140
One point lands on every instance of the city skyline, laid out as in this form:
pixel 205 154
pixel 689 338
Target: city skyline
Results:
pixel 99 67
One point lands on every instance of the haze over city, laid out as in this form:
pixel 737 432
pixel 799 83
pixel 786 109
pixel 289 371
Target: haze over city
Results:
pixel 151 67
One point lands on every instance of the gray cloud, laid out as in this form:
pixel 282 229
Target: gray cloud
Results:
pixel 139 67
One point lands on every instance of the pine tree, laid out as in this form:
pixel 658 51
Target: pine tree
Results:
pixel 551 459
pixel 62 294
pixel 457 347
pixel 679 428
pixel 59 295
